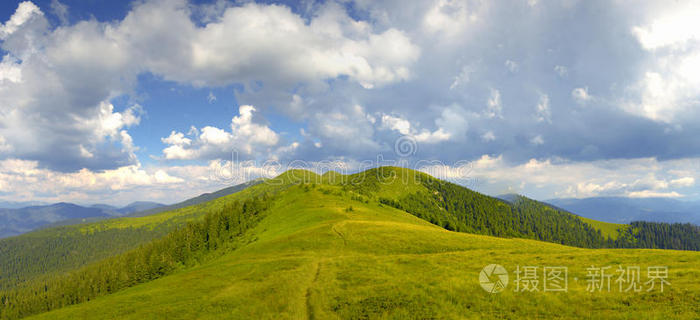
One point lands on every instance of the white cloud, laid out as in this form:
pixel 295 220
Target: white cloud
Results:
pixel 396 123
pixel 404 127
pixel 494 109
pixel 85 153
pixel 683 182
pixel 558 178
pixel 177 138
pixel 653 194
pixel 581 95
pixel 488 136
pixel 543 112
pixel 512 66
pixel 246 136
pixel 211 98
pixel 10 70
pixel 244 129
pixel 25 180
pixel 436 136
pixel 61 79
pixel 670 85
pixel 60 10
pixel 280 47
pixel 562 71
pixel 25 11
pixel 462 78
pixel 675 26
pixel 449 18
pixel 4 147
pixel 537 140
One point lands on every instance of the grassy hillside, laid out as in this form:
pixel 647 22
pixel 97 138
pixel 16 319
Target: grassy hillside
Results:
pixel 328 252
pixel 369 245
pixel 608 229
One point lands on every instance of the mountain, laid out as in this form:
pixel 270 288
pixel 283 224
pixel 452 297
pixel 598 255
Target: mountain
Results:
pixel 21 204
pixel 17 221
pixel 105 207
pixel 139 206
pixel 196 200
pixel 14 222
pixel 626 210
pixel 367 246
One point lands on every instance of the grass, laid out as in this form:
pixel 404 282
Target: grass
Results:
pixel 312 258
pixel 606 228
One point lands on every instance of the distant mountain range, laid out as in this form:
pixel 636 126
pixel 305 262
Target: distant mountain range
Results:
pixel 626 210
pixel 20 204
pixel 205 197
pixel 15 221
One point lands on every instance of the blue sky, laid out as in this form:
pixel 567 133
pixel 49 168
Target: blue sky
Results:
pixel 110 101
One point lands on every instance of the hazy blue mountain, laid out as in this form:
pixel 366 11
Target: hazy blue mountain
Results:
pixel 625 210
pixel 199 199
pixel 139 206
pixel 17 221
pixel 20 204
pixel 105 207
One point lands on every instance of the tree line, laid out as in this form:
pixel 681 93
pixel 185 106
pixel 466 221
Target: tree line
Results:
pixel 456 208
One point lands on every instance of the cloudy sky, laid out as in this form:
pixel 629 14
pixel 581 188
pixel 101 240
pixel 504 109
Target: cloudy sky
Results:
pixel 111 101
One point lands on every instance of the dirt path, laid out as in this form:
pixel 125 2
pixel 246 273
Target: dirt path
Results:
pixel 309 307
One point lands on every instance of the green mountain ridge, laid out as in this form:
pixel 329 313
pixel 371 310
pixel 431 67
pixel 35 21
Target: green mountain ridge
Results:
pixel 352 247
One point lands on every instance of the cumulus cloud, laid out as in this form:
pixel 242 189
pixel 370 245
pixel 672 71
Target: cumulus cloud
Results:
pixel 405 128
pixel 494 108
pixel 23 179
pixel 562 71
pixel 488 136
pixel 465 74
pixel 581 95
pixel 278 46
pixel 512 66
pixel 26 11
pixel 670 84
pixel 246 137
pixel 26 180
pixel 550 178
pixel 462 78
pixel 537 140
pixel 55 83
pixel 543 111
pixel 54 96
